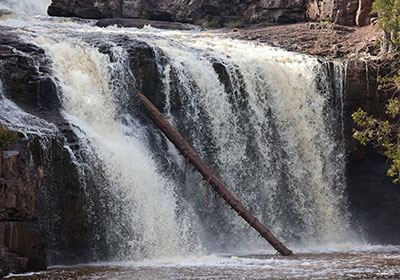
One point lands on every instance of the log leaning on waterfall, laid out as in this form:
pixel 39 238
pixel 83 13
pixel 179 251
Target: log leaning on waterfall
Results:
pixel 188 152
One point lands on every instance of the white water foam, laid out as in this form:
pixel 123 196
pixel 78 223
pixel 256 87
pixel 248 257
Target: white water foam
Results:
pixel 282 99
pixel 28 7
pixel 12 116
pixel 90 103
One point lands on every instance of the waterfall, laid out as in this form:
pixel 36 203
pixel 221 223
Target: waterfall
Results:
pixel 30 7
pixel 261 117
pixel 92 100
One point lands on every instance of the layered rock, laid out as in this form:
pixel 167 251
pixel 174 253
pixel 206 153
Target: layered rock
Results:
pixel 217 12
pixel 206 12
pixel 20 180
pixel 337 11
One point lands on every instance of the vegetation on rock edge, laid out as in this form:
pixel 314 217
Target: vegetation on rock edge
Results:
pixel 385 133
pixel 7 137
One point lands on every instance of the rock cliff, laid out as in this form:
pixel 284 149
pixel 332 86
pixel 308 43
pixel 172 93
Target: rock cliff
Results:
pixel 218 12
pixel 20 180
pixel 208 12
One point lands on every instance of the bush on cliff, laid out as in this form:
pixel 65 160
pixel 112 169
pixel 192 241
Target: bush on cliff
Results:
pixel 7 137
pixel 385 133
pixel 389 20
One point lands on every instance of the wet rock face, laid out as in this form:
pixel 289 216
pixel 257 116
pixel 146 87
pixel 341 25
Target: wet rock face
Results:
pixel 25 74
pixel 374 199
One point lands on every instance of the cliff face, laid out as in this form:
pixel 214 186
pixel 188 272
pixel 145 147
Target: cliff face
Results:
pixel 212 12
pixel 20 180
pixel 374 199
pixel 218 12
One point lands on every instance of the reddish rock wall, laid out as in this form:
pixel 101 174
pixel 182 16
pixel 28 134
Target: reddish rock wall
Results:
pixel 20 180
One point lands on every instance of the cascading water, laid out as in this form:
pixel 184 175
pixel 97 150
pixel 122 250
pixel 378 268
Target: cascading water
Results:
pixel 15 118
pixel 266 116
pixel 261 117
pixel 37 7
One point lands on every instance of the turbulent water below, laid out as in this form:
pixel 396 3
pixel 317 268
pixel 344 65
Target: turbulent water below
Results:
pixel 367 263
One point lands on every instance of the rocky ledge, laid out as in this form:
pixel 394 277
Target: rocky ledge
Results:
pixel 323 39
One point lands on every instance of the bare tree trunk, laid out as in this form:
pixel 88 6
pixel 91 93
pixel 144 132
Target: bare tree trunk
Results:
pixel 188 152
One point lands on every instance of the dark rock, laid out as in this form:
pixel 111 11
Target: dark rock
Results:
pixel 4 12
pixel 201 12
pixel 20 180
pixel 86 8
pixel 25 72
pixel 374 199
pixel 217 12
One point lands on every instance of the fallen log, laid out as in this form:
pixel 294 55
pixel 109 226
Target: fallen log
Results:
pixel 190 155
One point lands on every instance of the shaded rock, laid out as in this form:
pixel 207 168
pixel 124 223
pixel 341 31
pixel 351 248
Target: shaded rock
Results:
pixel 203 12
pixel 374 199
pixel 26 76
pixel 86 8
pixel 4 12
pixel 20 180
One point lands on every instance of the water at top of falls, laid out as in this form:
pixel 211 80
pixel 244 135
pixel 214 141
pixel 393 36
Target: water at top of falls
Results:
pixel 27 7
pixel 259 115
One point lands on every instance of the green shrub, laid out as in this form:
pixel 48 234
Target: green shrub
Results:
pixel 7 137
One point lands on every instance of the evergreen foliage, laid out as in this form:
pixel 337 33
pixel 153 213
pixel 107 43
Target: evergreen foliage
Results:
pixel 7 137
pixel 389 18
pixel 385 133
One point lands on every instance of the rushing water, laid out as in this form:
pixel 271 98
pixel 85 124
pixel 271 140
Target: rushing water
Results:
pixel 267 121
pixel 374 263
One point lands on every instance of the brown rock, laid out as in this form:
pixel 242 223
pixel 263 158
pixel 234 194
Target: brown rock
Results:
pixel 19 183
pixel 337 11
